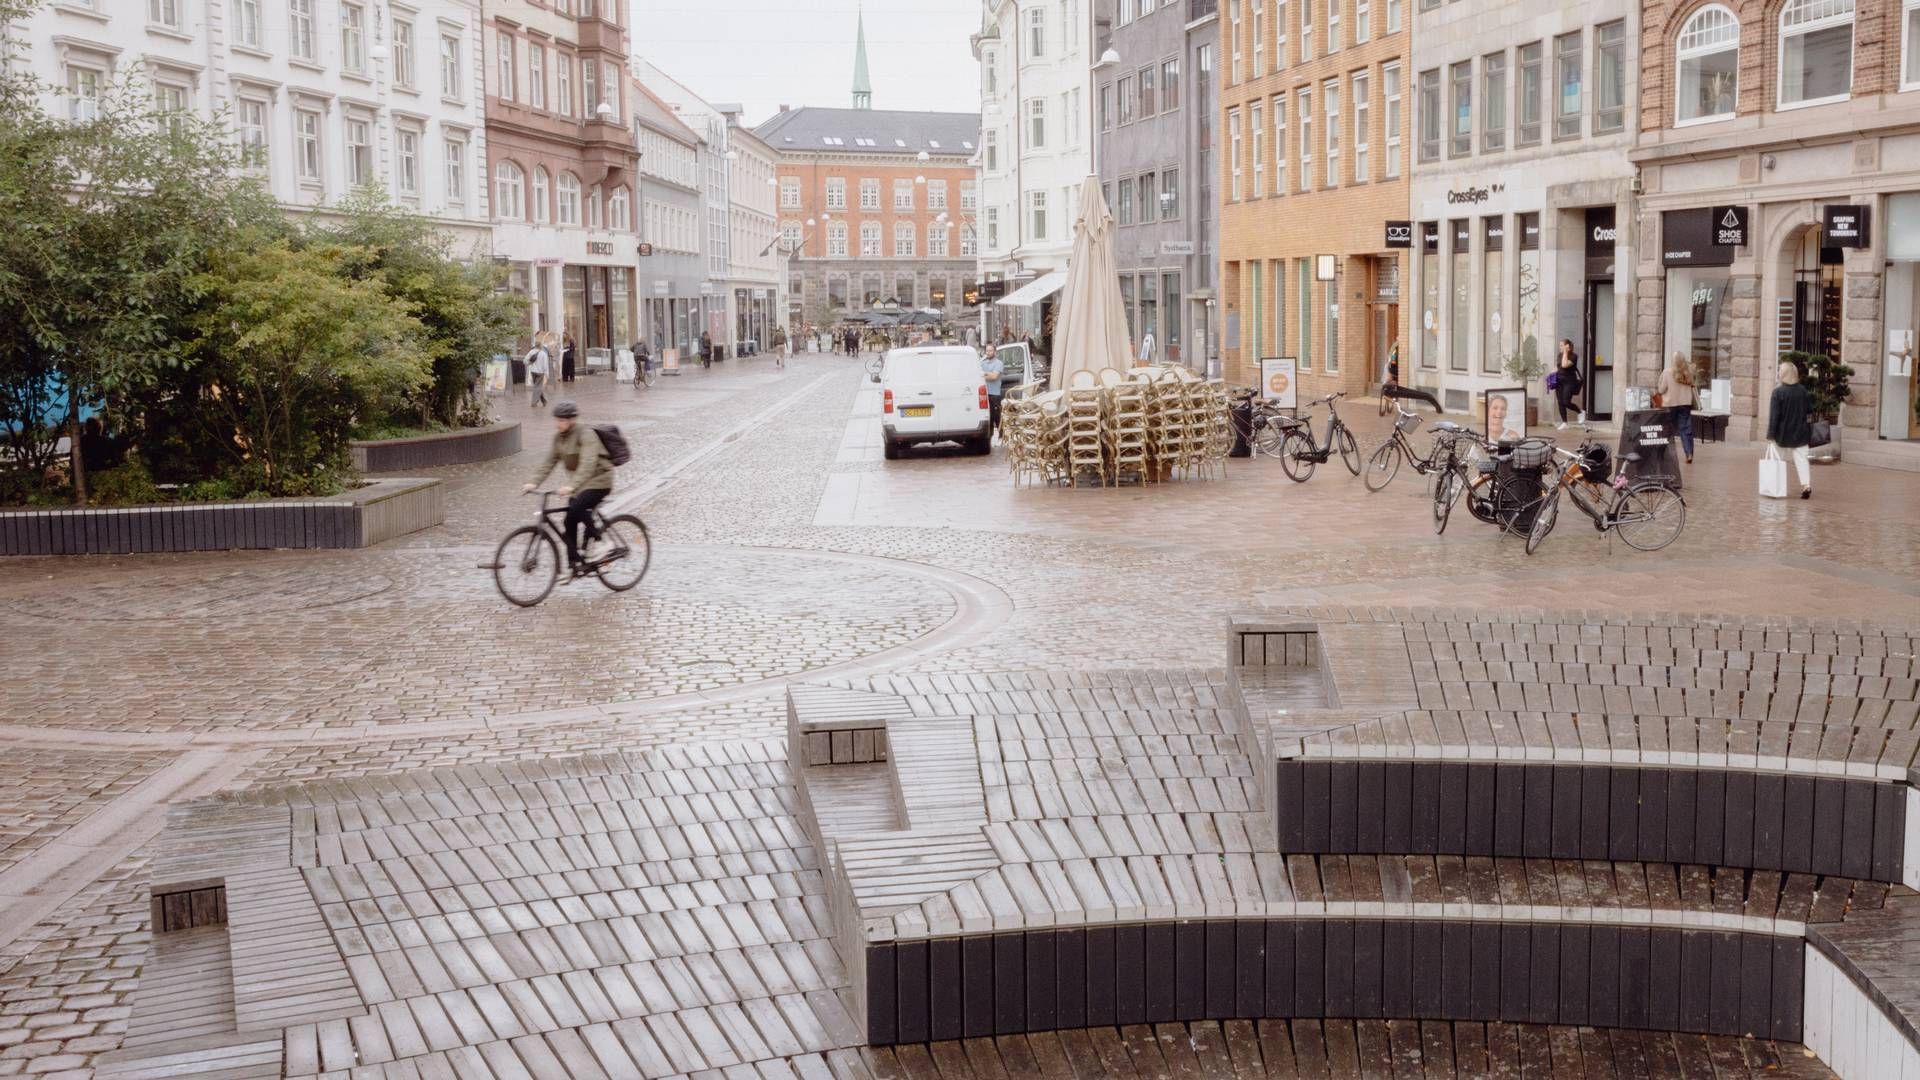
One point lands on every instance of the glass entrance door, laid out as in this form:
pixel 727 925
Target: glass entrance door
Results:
pixel 1599 350
pixel 1898 391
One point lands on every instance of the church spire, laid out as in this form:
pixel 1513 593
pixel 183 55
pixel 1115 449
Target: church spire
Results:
pixel 862 87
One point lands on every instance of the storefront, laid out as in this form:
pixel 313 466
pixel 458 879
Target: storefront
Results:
pixel 1899 418
pixel 589 297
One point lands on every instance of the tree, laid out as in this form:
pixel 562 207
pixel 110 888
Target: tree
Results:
pixel 300 354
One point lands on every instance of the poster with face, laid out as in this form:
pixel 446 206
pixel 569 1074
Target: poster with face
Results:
pixel 1506 413
pixel 1278 383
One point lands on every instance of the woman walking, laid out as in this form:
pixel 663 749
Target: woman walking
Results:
pixel 1677 396
pixel 566 360
pixel 1790 423
pixel 539 366
pixel 1566 384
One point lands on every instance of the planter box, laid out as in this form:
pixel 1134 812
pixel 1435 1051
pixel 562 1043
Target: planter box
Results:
pixel 368 515
pixel 432 451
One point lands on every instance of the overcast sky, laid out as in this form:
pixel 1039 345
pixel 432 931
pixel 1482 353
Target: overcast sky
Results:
pixel 768 53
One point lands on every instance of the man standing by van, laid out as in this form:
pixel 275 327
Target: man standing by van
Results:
pixel 991 370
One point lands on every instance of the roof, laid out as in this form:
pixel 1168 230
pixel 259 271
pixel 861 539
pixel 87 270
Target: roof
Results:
pixel 659 115
pixel 871 131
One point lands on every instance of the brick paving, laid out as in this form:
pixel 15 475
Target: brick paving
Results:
pixel 274 651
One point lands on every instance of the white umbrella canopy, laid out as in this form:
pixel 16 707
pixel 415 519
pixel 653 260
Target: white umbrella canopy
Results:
pixel 1090 328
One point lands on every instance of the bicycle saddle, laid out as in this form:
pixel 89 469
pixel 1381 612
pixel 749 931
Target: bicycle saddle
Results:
pixel 1629 457
pixel 1446 425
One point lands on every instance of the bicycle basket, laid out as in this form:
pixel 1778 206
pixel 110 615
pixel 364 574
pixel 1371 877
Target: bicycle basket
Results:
pixel 1596 463
pixel 1407 422
pixel 1486 466
pixel 1532 453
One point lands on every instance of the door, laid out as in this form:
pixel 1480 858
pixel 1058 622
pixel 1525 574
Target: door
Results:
pixel 1599 351
pixel 1897 391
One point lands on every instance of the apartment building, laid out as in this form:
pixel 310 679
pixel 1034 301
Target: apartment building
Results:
pixel 671 208
pixel 325 97
pixel 712 167
pixel 1779 153
pixel 1521 199
pixel 1313 104
pixel 754 284
pixel 561 157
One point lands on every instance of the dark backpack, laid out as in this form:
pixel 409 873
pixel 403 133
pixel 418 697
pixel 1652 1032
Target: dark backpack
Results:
pixel 614 443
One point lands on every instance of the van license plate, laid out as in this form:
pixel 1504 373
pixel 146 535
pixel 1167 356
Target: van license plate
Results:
pixel 917 410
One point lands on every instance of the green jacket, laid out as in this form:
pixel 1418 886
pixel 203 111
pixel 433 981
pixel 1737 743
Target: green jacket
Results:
pixel 579 451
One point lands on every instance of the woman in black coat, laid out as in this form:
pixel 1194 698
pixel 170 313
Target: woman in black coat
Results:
pixel 566 360
pixel 1567 383
pixel 1790 423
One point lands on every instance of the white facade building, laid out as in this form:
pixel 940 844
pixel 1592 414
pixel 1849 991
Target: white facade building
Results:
pixel 710 125
pixel 326 94
pixel 1036 144
pixel 756 291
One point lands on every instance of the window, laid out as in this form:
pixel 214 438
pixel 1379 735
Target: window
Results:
pixel 1362 127
pixel 837 239
pixel 967 246
pixel 1128 102
pixel 870 239
pixel 306 142
pixel 1146 92
pixel 990 72
pixel 1330 311
pixel 1816 51
pixel 353 38
pixel 1567 49
pixel 1169 194
pixel 993 227
pixel 1280 144
pixel 1460 290
pixel 170 102
pixel 1149 194
pixel 164 12
pixel 359 151
pixel 1330 101
pixel 1362 22
pixel 936 194
pixel 1036 123
pixel 1072 101
pixel 1037 33
pixel 506 91
pixel 619 213
pixel 1234 40
pixel 563 82
pixel 456 172
pixel 1304 273
pixel 408 158
pixel 508 192
pixel 1105 104
pixel 1532 82
pixel 969 195
pixel 1910 45
pixel 1707 58
pixel 1390 86
pixel 1233 153
pixel 789 193
pixel 1493 102
pixel 1609 77
pixel 790 235
pixel 1303 112
pixel 836 193
pixel 903 194
pixel 1429 115
pixel 1460 76
pixel 1256 127
pixel 246 23
pixel 589 89
pixel 1395 19
pixel 990 150
pixel 1280 33
pixel 252 116
pixel 449 66
pixel 1257 9
pixel 300 29
pixel 1306 30
pixel 937 239
pixel 1124 212
pixel 1492 294
pixel 1037 214
pixel 403 53
pixel 869 193
pixel 1333 24
pixel 903 244
pixel 568 209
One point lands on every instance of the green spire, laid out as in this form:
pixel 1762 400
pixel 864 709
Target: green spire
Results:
pixel 862 87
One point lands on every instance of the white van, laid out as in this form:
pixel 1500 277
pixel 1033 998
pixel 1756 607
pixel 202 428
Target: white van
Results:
pixel 933 394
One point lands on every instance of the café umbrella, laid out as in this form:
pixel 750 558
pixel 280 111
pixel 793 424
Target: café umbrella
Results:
pixel 1090 329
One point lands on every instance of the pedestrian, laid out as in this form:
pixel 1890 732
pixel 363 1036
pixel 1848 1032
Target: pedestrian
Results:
pixel 566 360
pixel 1677 397
pixel 991 372
pixel 1565 381
pixel 786 351
pixel 1146 349
pixel 1392 379
pixel 706 349
pixel 539 365
pixel 1790 423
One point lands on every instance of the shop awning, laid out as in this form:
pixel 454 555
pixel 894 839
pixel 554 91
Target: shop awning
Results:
pixel 1036 290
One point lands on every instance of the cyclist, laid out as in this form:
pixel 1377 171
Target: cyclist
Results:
pixel 589 477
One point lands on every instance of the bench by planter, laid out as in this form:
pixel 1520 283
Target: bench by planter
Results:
pixel 363 517
pixel 441 448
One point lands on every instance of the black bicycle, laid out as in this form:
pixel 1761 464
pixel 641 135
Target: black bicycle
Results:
pixel 1298 455
pixel 1267 426
pixel 1500 482
pixel 1645 511
pixel 1384 463
pixel 528 562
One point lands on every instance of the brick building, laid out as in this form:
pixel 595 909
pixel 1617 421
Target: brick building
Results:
pixel 1802 117
pixel 1313 161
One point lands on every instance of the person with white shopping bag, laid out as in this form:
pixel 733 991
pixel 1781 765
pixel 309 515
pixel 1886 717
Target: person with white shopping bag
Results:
pixel 1789 427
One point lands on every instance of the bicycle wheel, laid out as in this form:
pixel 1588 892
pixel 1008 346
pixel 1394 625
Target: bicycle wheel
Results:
pixel 1649 517
pixel 1349 450
pixel 1268 438
pixel 1383 465
pixel 526 565
pixel 632 553
pixel 650 376
pixel 1446 491
pixel 874 365
pixel 1543 520
pixel 1298 467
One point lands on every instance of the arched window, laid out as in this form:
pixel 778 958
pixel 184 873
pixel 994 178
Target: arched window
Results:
pixel 593 208
pixel 1816 51
pixel 903 239
pixel 618 217
pixel 869 239
pixel 569 199
pixel 1707 59
pixel 837 240
pixel 542 202
pixel 509 192
pixel 937 239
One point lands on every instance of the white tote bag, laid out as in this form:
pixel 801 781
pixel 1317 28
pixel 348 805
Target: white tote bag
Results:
pixel 1773 474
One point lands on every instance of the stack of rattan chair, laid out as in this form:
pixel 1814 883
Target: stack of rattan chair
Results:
pixel 1167 421
pixel 1124 425
pixel 1212 426
pixel 1083 441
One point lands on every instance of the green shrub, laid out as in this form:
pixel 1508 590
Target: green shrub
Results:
pixel 128 484
pixel 1826 380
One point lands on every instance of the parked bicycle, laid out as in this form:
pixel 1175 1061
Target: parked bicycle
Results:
pixel 1645 511
pixel 1384 463
pixel 1298 455
pixel 1500 482
pixel 528 562
pixel 1267 426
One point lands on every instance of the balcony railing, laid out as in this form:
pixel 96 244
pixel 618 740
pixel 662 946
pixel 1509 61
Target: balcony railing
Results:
pixel 1200 9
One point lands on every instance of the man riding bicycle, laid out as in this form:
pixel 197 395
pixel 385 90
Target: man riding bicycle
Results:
pixel 589 476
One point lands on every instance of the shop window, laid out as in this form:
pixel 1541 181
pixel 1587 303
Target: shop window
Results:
pixel 1816 51
pixel 1527 288
pixel 1429 294
pixel 1459 289
pixel 1493 295
pixel 1706 57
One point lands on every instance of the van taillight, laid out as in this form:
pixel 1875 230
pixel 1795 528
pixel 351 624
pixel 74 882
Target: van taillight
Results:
pixel 886 401
pixel 983 395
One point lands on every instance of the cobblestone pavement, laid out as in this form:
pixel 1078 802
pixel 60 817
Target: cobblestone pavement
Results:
pixel 785 546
